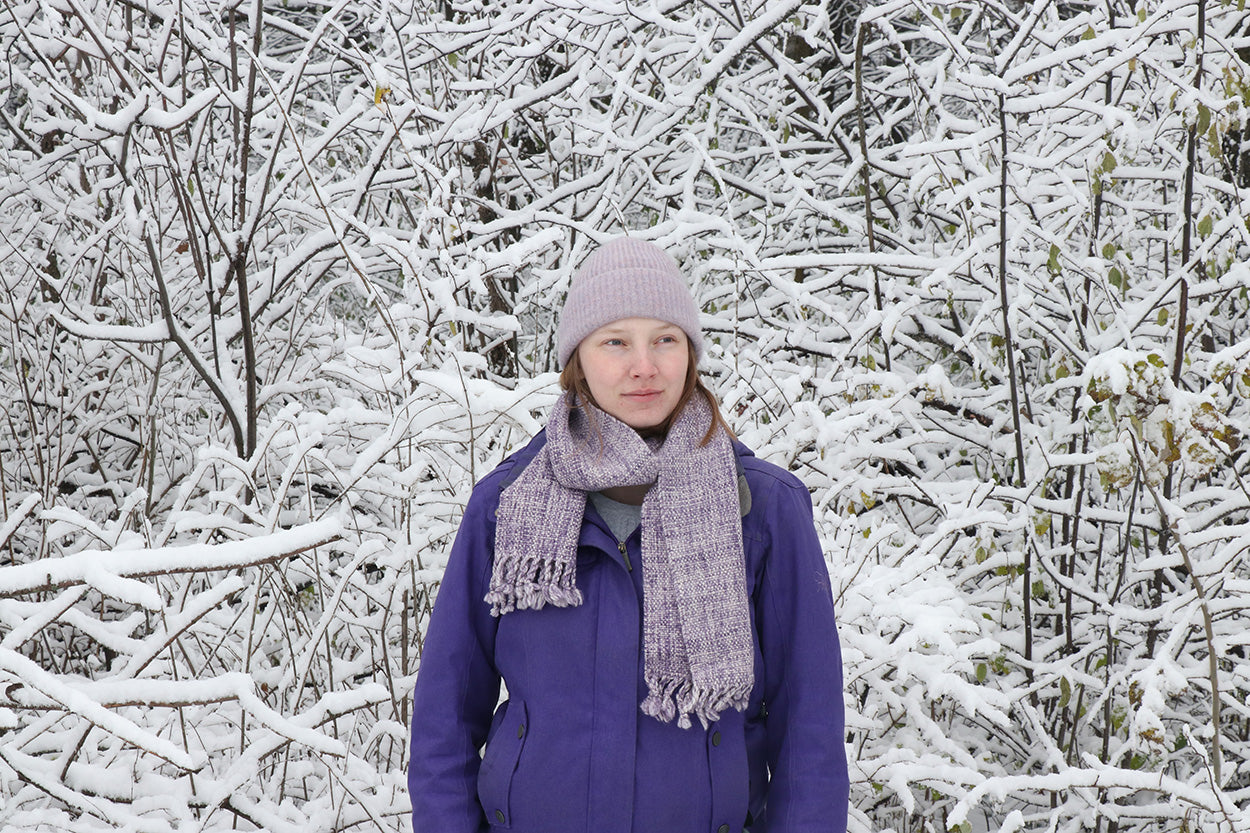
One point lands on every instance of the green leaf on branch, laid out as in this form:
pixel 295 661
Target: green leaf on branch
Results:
pixel 1052 263
pixel 1204 118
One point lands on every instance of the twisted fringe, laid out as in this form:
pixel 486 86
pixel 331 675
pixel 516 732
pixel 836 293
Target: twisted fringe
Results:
pixel 669 697
pixel 532 583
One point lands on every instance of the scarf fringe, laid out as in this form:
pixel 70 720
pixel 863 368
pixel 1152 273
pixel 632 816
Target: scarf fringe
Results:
pixel 678 698
pixel 532 583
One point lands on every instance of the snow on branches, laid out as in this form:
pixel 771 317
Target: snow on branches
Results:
pixel 279 283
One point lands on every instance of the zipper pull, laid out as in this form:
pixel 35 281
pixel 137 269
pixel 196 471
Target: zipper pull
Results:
pixel 620 545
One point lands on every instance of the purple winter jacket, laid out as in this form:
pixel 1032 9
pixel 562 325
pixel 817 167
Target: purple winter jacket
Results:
pixel 569 750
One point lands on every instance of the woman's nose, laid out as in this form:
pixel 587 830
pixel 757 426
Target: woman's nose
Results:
pixel 643 363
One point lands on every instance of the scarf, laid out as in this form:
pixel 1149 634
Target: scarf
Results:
pixel 697 648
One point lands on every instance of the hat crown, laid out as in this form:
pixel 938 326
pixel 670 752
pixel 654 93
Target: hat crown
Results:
pixel 626 278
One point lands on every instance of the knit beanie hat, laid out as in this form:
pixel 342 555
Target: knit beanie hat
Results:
pixel 626 278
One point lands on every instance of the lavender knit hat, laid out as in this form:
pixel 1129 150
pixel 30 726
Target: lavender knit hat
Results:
pixel 626 278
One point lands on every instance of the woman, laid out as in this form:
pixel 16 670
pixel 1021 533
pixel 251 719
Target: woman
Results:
pixel 652 596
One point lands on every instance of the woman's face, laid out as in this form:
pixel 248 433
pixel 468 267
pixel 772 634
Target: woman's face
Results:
pixel 636 369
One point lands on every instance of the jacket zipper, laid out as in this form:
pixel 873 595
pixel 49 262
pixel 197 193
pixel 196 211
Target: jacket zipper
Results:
pixel 620 545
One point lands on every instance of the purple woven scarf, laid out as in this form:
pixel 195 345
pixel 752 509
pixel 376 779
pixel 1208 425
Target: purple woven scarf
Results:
pixel 697 650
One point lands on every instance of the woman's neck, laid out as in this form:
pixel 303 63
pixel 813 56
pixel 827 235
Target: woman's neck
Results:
pixel 631 495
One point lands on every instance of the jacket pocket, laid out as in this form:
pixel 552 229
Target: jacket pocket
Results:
pixel 503 750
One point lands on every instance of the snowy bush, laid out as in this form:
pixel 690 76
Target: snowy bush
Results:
pixel 279 285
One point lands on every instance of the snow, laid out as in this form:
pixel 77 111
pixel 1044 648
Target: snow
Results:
pixel 224 599
pixel 109 571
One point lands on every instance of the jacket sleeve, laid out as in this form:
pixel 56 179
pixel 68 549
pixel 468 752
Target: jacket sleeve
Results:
pixel 457 682
pixel 805 723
